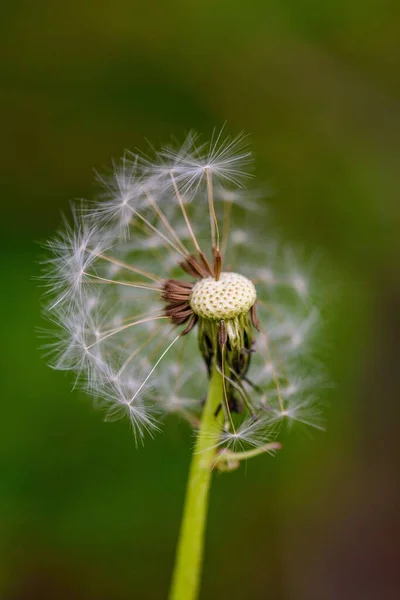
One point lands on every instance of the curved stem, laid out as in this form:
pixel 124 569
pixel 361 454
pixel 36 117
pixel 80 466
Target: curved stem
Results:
pixel 229 455
pixel 189 557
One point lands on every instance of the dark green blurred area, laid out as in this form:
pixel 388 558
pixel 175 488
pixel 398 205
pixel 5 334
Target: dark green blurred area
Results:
pixel 83 513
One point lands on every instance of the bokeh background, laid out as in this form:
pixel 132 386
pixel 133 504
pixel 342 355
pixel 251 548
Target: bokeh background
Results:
pixel 84 514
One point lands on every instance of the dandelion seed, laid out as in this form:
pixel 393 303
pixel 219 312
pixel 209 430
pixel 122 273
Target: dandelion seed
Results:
pixel 225 158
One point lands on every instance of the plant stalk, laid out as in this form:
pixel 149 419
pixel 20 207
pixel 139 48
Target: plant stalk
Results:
pixel 189 557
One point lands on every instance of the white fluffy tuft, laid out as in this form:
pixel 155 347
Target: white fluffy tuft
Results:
pixel 104 278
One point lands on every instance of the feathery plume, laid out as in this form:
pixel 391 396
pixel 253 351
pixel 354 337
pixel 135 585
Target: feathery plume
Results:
pixel 156 274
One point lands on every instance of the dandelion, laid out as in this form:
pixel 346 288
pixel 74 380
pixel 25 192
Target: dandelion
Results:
pixel 156 293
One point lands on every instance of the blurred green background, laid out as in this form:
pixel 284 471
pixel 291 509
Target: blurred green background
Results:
pixel 317 85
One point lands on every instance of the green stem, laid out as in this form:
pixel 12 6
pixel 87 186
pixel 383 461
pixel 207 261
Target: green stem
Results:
pixel 189 558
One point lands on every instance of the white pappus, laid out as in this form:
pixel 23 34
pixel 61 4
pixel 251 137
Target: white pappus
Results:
pixel 120 281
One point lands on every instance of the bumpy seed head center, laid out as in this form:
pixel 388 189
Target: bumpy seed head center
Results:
pixel 230 296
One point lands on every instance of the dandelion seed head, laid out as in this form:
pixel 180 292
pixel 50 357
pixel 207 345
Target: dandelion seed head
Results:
pixel 163 278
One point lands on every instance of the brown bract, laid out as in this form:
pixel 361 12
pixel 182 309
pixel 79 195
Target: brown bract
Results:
pixel 177 294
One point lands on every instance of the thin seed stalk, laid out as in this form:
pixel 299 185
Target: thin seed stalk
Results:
pixel 189 557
